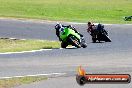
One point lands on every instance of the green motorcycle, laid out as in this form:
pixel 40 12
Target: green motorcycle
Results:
pixel 70 37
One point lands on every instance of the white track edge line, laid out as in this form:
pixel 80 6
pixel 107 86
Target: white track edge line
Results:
pixel 26 51
pixel 50 74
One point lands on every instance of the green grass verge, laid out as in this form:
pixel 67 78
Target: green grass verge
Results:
pixel 106 11
pixel 9 83
pixel 8 45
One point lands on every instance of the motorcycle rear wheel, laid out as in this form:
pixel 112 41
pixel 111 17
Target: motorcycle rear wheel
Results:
pixel 94 40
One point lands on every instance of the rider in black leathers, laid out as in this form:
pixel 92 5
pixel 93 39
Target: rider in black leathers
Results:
pixel 100 29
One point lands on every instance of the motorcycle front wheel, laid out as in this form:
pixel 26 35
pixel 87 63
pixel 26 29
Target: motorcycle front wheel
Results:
pixel 74 41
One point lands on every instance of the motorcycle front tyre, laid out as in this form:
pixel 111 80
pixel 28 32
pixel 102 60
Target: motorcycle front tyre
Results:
pixel 64 44
pixel 74 41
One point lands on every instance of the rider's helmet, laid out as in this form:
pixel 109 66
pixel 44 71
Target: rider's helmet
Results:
pixel 89 23
pixel 57 26
pixel 100 26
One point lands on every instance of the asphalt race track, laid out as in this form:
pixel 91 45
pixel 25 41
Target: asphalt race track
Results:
pixel 114 57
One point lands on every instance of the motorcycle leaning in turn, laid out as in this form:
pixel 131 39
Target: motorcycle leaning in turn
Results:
pixel 69 37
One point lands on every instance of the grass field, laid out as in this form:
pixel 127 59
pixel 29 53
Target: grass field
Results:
pixel 106 11
pixel 10 83
pixel 7 45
